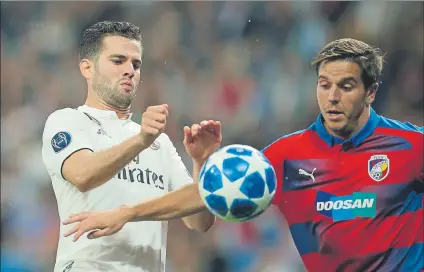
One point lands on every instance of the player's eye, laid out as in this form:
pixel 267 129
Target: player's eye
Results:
pixel 116 61
pixel 136 66
pixel 347 87
pixel 324 86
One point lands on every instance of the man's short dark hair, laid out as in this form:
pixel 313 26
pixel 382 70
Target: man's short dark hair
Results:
pixel 368 57
pixel 92 38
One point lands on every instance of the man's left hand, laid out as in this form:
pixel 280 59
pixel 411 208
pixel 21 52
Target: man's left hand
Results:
pixel 98 224
pixel 201 140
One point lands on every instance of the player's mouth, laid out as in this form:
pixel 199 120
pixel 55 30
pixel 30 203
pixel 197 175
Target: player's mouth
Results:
pixel 128 86
pixel 334 114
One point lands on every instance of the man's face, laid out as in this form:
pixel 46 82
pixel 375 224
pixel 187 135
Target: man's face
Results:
pixel 341 96
pixel 117 71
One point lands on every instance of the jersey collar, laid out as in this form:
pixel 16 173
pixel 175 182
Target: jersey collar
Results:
pixel 357 139
pixel 100 113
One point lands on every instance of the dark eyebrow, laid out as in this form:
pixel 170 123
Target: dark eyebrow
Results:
pixel 117 56
pixel 343 80
pixel 347 79
pixel 122 57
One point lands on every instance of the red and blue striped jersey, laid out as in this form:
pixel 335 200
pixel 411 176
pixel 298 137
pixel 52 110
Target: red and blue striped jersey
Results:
pixel 354 205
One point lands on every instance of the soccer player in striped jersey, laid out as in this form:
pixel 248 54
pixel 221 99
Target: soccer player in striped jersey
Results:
pixel 351 185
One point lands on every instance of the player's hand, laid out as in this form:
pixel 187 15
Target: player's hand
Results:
pixel 153 123
pixel 201 140
pixel 97 224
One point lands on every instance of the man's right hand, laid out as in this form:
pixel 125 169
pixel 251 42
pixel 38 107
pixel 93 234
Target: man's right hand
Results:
pixel 153 122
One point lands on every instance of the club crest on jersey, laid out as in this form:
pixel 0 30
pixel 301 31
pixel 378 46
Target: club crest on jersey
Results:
pixel 378 167
pixel 60 141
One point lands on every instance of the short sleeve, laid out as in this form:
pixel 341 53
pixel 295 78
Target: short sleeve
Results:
pixel 63 135
pixel 179 175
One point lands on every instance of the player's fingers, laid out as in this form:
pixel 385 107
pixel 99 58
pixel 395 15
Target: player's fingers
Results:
pixel 89 226
pixel 218 128
pixel 155 124
pixel 187 135
pixel 78 234
pixel 195 130
pixel 211 125
pixel 158 109
pixel 166 109
pixel 76 218
pixel 78 214
pixel 156 116
pixel 98 233
pixel 166 106
pixel 206 126
pixel 204 123
pixel 72 231
pixel 211 128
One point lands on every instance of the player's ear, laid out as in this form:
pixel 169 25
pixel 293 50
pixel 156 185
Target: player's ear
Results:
pixel 86 68
pixel 372 91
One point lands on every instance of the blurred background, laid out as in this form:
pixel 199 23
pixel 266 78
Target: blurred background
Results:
pixel 244 63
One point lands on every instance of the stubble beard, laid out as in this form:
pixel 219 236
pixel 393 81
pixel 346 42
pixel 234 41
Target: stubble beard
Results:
pixel 348 128
pixel 110 94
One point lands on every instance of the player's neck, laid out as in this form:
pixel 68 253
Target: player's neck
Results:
pixel 97 103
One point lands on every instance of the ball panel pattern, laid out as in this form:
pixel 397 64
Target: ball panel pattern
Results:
pixel 203 169
pixel 239 151
pixel 212 180
pixel 270 179
pixel 235 168
pixel 253 186
pixel 242 208
pixel 217 203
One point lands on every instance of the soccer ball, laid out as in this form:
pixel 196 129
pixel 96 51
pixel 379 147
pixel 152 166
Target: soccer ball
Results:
pixel 237 183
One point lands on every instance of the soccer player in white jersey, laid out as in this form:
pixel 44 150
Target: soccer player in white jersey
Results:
pixel 98 159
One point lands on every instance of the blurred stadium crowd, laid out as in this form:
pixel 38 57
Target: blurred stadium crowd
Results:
pixel 244 63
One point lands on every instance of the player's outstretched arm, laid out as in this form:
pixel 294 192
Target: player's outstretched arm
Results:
pixel 180 203
pixel 183 203
pixel 200 142
pixel 87 170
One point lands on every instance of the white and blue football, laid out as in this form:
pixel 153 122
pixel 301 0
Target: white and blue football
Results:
pixel 237 183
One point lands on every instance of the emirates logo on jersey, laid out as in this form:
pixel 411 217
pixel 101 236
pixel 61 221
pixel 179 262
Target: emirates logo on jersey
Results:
pixel 146 176
pixel 133 173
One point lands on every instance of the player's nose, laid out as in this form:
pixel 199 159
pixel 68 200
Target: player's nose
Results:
pixel 334 95
pixel 128 70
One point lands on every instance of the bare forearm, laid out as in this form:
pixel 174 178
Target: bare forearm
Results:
pixel 202 221
pixel 94 169
pixel 177 204
pixel 184 203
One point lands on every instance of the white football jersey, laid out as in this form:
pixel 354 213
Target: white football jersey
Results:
pixel 139 246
